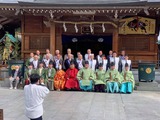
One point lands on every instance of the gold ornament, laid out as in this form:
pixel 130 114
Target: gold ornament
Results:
pixel 148 70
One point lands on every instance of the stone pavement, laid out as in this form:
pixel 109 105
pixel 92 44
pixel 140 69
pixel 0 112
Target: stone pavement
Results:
pixel 141 105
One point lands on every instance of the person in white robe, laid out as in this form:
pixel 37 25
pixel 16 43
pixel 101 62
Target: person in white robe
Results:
pixel 126 61
pixel 99 56
pixel 87 55
pixel 115 60
pixel 108 59
pixel 92 62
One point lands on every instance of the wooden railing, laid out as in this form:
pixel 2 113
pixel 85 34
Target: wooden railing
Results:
pixel 135 63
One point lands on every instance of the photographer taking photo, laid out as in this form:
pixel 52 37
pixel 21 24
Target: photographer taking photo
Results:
pixel 34 94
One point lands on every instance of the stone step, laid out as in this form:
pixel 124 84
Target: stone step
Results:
pixel 1 82
pixel 5 83
pixel 148 86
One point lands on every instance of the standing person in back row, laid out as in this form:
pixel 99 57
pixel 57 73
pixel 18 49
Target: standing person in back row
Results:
pixel 122 56
pixel 99 56
pixel 87 55
pixel 68 52
pixel 109 57
pixel 116 61
pixel 123 62
pixel 34 95
pixel 49 54
pixel 92 62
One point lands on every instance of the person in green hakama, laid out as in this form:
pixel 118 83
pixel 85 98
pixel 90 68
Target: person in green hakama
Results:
pixel 50 73
pixel 41 72
pixel 128 82
pixel 99 83
pixel 113 79
pixel 86 77
pixel 28 73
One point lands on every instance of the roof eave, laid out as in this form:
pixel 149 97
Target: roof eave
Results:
pixel 81 4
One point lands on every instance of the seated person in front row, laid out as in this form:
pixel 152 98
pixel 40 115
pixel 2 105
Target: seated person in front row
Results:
pixel 113 79
pixel 59 79
pixel 15 76
pixel 128 82
pixel 28 73
pixel 99 84
pixel 86 77
pixel 50 73
pixel 71 78
pixel 41 72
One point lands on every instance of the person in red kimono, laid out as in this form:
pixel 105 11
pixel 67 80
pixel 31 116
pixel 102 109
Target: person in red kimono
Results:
pixel 71 78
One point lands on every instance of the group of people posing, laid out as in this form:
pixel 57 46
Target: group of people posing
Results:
pixel 89 73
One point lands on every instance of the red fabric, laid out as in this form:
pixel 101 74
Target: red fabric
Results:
pixel 26 82
pixel 71 79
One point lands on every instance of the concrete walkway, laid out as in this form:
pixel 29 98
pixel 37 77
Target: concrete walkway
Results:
pixel 141 105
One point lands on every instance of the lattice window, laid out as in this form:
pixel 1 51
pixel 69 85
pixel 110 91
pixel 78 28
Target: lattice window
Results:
pixel 36 42
pixel 134 43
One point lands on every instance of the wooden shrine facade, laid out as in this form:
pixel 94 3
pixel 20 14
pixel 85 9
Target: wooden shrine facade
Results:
pixel 43 25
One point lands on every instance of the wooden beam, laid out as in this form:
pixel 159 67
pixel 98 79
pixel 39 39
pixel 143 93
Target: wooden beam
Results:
pixel 52 38
pixel 3 19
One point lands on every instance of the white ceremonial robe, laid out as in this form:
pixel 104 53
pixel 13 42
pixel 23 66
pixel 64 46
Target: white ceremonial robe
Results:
pixel 116 61
pixel 35 64
pixel 99 58
pixel 92 64
pixel 105 62
pixel 124 62
pixel 87 57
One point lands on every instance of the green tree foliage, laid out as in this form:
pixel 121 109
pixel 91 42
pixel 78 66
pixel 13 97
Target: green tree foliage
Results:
pixel 10 48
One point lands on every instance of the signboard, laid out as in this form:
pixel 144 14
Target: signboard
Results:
pixel 137 25
pixel 86 30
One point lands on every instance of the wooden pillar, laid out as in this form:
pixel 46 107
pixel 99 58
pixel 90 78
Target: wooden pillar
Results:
pixel 52 38
pixel 22 35
pixel 59 39
pixel 115 40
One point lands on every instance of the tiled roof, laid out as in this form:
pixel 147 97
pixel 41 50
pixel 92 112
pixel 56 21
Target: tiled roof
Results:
pixel 76 2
